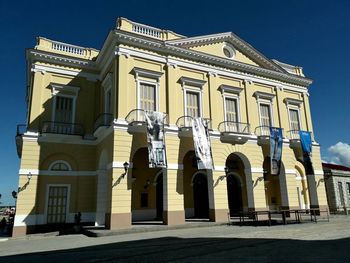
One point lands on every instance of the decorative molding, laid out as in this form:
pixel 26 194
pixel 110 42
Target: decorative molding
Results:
pixel 230 89
pixel 290 101
pixel 68 72
pixel 192 82
pixel 263 95
pixel 121 52
pixel 57 88
pixel 140 72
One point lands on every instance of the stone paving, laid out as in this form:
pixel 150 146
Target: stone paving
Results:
pixel 308 242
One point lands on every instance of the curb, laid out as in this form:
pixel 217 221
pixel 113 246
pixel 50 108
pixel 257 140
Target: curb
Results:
pixel 135 230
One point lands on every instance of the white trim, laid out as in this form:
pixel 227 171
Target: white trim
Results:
pixel 67 173
pixel 119 165
pixel 47 199
pixel 290 171
pixel 175 166
pixel 218 168
pixel 73 73
pixel 257 170
pixel 318 172
pixel 60 161
pixel 35 172
pixel 27 171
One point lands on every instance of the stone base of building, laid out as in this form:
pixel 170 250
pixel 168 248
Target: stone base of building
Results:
pixel 118 221
pixel 219 215
pixel 19 231
pixel 174 217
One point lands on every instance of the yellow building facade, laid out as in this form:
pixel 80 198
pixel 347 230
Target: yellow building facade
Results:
pixel 84 147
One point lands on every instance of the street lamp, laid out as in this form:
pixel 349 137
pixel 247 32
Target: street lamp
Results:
pixel 126 166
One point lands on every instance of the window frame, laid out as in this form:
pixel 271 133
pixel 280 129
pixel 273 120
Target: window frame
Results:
pixel 156 95
pixel 231 92
pixel 294 104
pixel 60 161
pixel 63 91
pixel 267 99
pixel 148 77
pixel 194 86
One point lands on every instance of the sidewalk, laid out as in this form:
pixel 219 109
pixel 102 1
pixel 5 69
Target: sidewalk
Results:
pixel 192 242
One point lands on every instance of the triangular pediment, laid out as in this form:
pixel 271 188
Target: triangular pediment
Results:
pixel 228 46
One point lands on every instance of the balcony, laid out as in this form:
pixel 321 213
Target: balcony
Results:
pixel 184 124
pixel 263 134
pixel 294 138
pixel 103 120
pixel 21 129
pixel 234 132
pixel 62 128
pixel 137 121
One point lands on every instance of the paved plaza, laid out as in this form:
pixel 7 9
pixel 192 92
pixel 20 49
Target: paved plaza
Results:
pixel 307 242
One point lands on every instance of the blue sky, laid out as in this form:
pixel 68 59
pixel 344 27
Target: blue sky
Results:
pixel 311 34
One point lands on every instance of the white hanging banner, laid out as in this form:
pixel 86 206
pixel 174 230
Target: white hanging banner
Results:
pixel 155 139
pixel 202 143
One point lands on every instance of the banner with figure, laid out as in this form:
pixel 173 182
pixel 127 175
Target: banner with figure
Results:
pixel 202 143
pixel 276 144
pixel 155 139
pixel 306 145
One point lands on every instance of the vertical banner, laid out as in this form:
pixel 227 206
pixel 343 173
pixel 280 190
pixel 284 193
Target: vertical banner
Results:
pixel 202 143
pixel 276 144
pixel 306 145
pixel 155 139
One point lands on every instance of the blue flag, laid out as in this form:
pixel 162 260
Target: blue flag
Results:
pixel 276 144
pixel 306 142
pixel 306 145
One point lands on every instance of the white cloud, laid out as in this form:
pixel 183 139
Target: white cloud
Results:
pixel 340 154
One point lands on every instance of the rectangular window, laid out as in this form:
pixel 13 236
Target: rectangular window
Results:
pixel 57 204
pixel 348 190
pixel 294 120
pixel 192 104
pixel 147 97
pixel 341 193
pixel 265 119
pixel 265 115
pixel 64 109
pixel 231 109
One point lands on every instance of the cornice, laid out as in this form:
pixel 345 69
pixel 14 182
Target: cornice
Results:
pixel 162 47
pixel 44 56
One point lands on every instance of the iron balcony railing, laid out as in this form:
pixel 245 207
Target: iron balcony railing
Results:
pixel 186 122
pixel 137 116
pixel 234 127
pixel 62 128
pixel 295 135
pixel 21 129
pixel 263 131
pixel 103 120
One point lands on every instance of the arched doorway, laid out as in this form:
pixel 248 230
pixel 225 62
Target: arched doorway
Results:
pixel 237 188
pixel 147 189
pixel 159 197
pixel 234 193
pixel 200 196
pixel 272 186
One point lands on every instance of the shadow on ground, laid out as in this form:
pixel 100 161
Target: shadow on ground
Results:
pixel 171 249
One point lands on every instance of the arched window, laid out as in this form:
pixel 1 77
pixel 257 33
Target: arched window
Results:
pixel 60 166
